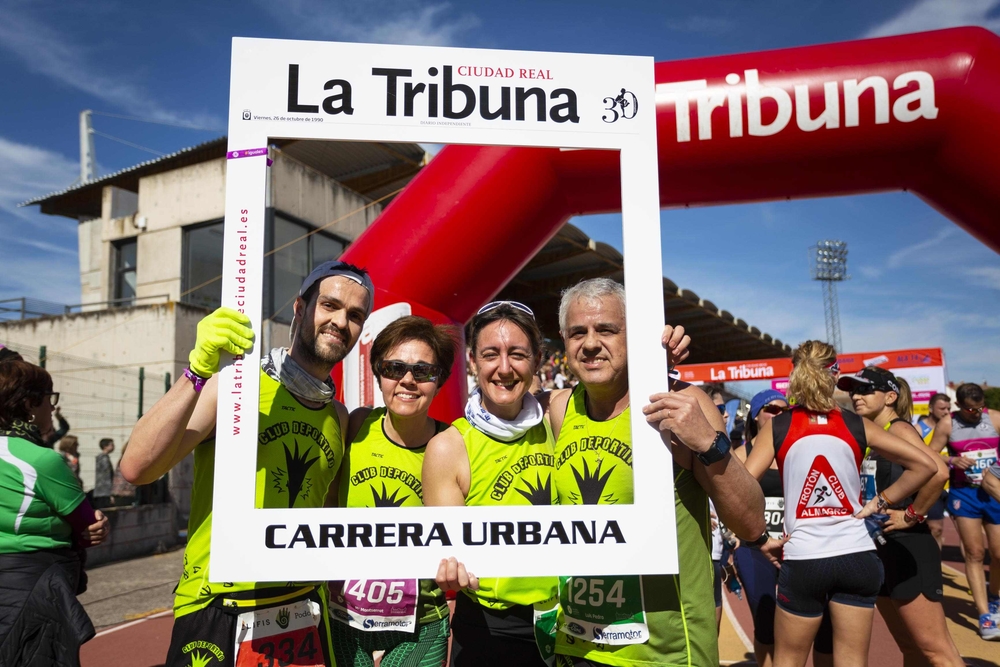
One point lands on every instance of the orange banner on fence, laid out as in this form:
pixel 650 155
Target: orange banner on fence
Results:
pixel 766 369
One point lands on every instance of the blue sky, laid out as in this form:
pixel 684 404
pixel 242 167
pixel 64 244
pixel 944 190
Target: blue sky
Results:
pixel 917 279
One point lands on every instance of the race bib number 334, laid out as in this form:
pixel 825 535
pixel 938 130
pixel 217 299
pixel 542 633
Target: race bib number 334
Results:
pixel 280 636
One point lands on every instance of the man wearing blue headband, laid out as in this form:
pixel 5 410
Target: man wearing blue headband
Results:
pixel 296 397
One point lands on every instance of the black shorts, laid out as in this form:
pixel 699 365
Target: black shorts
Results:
pixel 936 512
pixel 912 563
pixel 209 635
pixel 483 637
pixel 806 586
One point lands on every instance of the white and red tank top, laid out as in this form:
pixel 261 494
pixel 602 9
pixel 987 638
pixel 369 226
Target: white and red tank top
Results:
pixel 819 458
pixel 979 442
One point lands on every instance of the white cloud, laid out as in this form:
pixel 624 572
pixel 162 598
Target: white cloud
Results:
pixel 384 21
pixel 938 14
pixel 985 276
pixel 26 171
pixel 901 256
pixel 870 272
pixel 58 57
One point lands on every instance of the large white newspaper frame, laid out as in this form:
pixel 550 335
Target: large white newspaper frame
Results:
pixel 613 97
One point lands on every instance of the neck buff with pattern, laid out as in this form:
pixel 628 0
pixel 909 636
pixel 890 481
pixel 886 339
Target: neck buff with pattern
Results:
pixel 502 429
pixel 282 368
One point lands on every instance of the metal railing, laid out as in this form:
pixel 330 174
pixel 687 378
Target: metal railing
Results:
pixel 27 308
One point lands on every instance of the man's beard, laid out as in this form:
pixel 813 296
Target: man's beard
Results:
pixel 314 354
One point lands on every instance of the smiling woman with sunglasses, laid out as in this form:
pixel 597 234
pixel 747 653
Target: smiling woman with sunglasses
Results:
pixel 502 428
pixel 910 598
pixel 972 435
pixel 411 359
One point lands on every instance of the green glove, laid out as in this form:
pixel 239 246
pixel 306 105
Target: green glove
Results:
pixel 223 330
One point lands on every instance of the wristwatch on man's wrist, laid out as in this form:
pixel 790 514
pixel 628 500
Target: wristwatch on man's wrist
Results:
pixel 720 447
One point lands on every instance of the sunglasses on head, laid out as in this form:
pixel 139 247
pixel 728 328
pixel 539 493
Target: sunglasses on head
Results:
pixel 774 409
pixel 397 370
pixel 517 305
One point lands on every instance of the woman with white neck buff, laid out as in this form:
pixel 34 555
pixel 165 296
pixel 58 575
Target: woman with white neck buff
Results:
pixel 493 620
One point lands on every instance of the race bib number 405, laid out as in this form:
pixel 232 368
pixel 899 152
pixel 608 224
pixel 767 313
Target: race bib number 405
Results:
pixel 286 635
pixel 606 610
pixel 377 605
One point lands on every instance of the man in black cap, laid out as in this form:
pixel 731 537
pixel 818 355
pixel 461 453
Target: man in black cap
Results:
pixel 300 447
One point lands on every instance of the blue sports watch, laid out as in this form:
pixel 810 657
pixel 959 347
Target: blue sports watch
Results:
pixel 720 447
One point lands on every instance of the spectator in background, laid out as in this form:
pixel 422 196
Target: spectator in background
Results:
pixel 55 435
pixel 938 408
pixel 104 474
pixel 41 568
pixel 7 354
pixel 69 448
pixel 122 492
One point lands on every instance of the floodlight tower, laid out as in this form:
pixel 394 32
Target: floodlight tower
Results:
pixel 829 266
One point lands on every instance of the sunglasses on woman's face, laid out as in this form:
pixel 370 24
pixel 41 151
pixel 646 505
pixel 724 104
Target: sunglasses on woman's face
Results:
pixel 397 370
pixel 774 409
pixel 863 390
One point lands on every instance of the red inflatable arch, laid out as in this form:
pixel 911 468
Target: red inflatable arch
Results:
pixel 916 112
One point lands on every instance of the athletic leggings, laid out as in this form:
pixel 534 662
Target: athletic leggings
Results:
pixel 427 647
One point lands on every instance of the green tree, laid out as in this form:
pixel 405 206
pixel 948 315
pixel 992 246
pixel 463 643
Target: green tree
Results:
pixel 992 398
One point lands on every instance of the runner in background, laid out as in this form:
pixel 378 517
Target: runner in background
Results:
pixel 290 620
pixel 630 621
pixel 829 558
pixel 408 619
pixel 972 437
pixel 503 428
pixel 910 598
pixel 758 574
pixel 937 409
pixel 991 482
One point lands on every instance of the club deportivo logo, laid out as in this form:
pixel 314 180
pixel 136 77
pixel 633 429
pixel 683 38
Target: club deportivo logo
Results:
pixel 292 479
pixel 200 658
pixel 385 500
pixel 592 485
pixel 539 493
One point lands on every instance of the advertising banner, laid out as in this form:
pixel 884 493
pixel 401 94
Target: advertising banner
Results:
pixel 361 92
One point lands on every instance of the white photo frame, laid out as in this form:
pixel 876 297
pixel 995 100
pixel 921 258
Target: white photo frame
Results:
pixel 271 99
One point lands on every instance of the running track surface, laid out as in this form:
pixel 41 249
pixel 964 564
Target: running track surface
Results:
pixel 143 642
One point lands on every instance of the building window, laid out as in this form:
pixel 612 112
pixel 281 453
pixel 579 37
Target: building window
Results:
pixel 202 265
pixel 294 257
pixel 125 278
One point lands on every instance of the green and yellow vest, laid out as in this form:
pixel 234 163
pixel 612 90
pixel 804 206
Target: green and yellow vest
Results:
pixel 594 466
pixel 299 452
pixel 381 473
pixel 510 473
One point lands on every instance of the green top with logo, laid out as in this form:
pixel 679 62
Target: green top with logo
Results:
pixel 648 620
pixel 510 473
pixel 378 472
pixel 299 452
pixel 37 489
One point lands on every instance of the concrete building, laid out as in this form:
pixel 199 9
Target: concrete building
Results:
pixel 150 244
